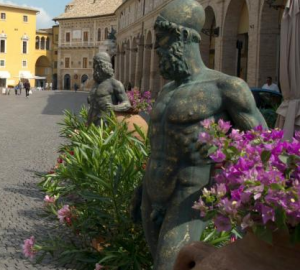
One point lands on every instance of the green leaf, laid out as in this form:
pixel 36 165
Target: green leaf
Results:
pixel 263 233
pixel 265 156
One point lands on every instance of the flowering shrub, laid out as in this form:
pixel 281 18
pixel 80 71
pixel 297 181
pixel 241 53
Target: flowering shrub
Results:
pixel 88 194
pixel 140 101
pixel 259 184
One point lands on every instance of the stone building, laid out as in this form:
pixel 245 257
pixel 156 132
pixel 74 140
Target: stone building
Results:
pixel 240 38
pixel 83 31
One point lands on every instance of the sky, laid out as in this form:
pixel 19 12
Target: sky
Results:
pixel 48 9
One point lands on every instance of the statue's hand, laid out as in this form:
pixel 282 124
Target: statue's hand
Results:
pixel 109 106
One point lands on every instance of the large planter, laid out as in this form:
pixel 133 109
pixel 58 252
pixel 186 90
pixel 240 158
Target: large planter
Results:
pixel 249 253
pixel 132 119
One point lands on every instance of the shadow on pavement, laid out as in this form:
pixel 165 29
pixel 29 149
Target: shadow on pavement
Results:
pixel 59 101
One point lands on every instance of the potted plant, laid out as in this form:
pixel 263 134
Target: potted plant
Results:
pixel 257 190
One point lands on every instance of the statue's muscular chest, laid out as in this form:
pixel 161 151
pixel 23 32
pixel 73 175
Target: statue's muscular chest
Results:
pixel 187 104
pixel 102 90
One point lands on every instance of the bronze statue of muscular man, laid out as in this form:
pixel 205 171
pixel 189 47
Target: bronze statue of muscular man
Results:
pixel 177 171
pixel 107 93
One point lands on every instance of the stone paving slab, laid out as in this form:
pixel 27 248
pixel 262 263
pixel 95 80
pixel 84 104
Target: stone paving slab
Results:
pixel 29 139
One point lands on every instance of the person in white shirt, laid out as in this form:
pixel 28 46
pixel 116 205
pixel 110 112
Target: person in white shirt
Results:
pixel 270 85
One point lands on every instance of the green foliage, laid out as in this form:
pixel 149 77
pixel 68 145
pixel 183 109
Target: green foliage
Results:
pixel 270 116
pixel 97 172
pixel 218 239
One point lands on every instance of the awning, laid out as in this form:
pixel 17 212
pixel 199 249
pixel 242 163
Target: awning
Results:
pixel 25 75
pixel 4 75
pixel 28 75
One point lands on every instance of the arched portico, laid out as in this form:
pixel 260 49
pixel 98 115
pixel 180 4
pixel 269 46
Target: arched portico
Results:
pixel 235 39
pixel 43 69
pixel 147 62
pixel 269 42
pixel 207 45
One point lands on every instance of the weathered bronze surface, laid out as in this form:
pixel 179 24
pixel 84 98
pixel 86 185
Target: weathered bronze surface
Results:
pixel 108 93
pixel 177 171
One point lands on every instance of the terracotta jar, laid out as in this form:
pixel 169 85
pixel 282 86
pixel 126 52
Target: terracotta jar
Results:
pixel 132 119
pixel 249 253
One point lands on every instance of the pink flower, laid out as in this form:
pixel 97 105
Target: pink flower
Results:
pixel 49 199
pixel 218 156
pixel 64 214
pixel 222 223
pixel 28 247
pixel 207 123
pixel 204 137
pixel 99 266
pixel 224 126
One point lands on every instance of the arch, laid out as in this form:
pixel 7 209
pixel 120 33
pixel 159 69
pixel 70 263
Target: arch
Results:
pixel 269 42
pixel 47 43
pixel 43 43
pixel 234 60
pixel 140 62
pixel 147 62
pixel 43 69
pixel 106 33
pixel 127 62
pixel 122 62
pixel 37 42
pixel 156 83
pixel 54 81
pixel 84 78
pixel 67 82
pixel 134 51
pixel 99 34
pixel 207 45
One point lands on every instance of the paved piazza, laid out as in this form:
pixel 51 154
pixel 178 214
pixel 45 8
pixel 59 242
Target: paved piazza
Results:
pixel 29 140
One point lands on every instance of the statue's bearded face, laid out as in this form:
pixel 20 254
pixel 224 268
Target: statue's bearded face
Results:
pixel 102 70
pixel 172 62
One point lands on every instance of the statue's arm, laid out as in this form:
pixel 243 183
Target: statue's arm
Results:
pixel 241 106
pixel 121 96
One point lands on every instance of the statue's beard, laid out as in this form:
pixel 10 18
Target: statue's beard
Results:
pixel 98 77
pixel 172 62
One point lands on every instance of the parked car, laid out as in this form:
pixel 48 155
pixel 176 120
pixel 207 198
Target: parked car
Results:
pixel 267 102
pixel 266 99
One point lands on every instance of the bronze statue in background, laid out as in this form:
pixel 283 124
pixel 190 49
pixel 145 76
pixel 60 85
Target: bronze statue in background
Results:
pixel 177 170
pixel 108 93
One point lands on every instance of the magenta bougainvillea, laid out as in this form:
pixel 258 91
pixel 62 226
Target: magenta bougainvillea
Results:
pixel 258 186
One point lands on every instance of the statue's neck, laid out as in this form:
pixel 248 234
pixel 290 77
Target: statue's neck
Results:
pixel 194 61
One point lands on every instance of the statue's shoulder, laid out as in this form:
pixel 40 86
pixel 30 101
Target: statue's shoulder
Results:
pixel 115 82
pixel 167 87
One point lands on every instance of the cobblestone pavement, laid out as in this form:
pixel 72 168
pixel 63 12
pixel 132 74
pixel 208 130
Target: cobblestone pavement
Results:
pixel 29 141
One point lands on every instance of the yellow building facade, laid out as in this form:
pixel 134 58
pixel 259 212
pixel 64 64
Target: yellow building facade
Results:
pixel 25 53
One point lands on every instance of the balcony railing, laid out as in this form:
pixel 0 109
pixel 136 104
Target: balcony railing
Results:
pixel 81 44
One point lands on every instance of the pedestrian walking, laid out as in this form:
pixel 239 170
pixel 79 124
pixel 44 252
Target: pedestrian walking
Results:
pixel 16 89
pixel 27 88
pixel 21 86
pixel 75 87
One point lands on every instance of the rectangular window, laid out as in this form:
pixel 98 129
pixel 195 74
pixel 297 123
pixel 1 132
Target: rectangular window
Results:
pixel 3 16
pixel 86 36
pixel 56 37
pixel 55 64
pixel 67 62
pixel 25 18
pixel 24 49
pixel 2 46
pixel 68 37
pixel 84 62
pixel 24 63
pixel 56 52
pixel 2 63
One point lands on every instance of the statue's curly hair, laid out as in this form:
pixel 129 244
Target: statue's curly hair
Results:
pixel 105 66
pixel 191 35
